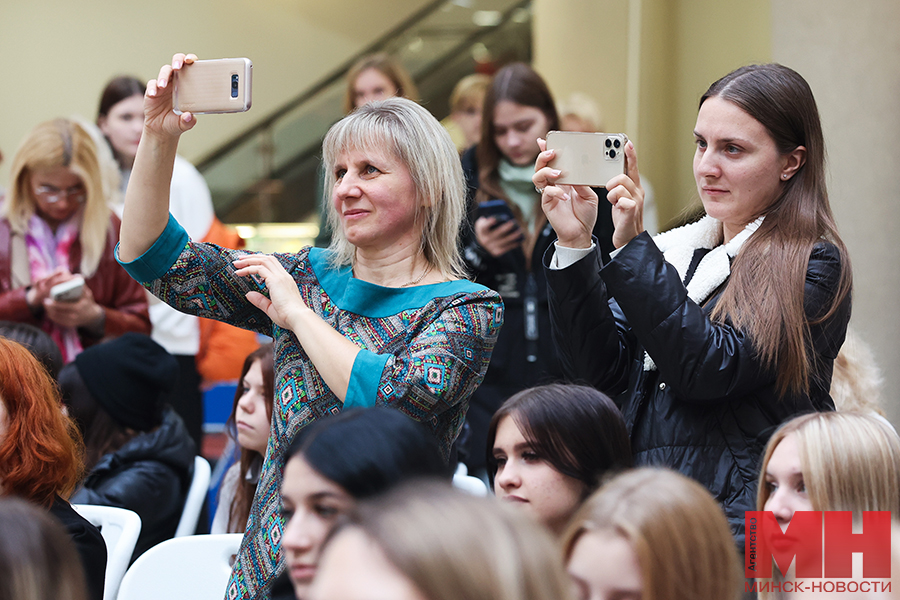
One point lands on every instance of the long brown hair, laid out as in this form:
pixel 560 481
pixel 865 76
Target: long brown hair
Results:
pixel 765 293
pixel 239 510
pixel 518 83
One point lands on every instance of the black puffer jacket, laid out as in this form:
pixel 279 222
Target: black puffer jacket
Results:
pixel 710 408
pixel 526 322
pixel 149 475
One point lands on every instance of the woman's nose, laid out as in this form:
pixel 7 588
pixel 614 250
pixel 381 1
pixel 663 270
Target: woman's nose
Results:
pixel 707 165
pixel 347 186
pixel 507 476
pixel 781 507
pixel 513 140
pixel 296 536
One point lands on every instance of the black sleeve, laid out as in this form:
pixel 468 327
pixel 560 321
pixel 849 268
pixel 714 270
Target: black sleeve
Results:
pixel 89 543
pixel 594 341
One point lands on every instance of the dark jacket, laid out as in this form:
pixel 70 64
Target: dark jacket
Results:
pixel 150 475
pixel 524 355
pixel 123 300
pixel 89 543
pixel 710 408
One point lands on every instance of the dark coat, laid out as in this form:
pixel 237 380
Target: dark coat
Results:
pixel 89 543
pixel 710 408
pixel 518 281
pixel 150 475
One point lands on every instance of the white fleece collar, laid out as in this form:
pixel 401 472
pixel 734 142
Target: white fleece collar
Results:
pixel 678 246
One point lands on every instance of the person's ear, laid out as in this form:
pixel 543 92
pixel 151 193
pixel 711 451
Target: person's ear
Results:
pixel 794 159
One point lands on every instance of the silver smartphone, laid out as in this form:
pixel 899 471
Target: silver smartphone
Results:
pixel 68 291
pixel 587 158
pixel 221 85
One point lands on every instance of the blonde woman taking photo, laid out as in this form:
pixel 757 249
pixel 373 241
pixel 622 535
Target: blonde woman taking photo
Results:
pixel 384 316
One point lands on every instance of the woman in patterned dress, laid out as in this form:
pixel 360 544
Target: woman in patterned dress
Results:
pixel 383 316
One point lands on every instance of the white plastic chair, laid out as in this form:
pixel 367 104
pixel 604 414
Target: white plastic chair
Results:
pixel 468 483
pixel 120 529
pixel 190 514
pixel 194 567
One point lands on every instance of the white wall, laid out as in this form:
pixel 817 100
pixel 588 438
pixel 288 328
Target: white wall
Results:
pixel 58 54
pixel 850 54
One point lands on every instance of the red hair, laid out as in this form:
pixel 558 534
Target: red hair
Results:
pixel 41 452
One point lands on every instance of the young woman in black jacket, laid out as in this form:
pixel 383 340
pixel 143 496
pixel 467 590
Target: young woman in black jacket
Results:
pixel 505 255
pixel 710 335
pixel 138 452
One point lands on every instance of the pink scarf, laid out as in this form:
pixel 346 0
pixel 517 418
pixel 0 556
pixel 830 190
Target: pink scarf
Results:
pixel 47 251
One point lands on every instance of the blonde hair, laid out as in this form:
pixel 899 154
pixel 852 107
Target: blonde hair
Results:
pixel 388 66
pixel 454 546
pixel 856 381
pixel 850 461
pixel 469 90
pixel 61 143
pixel 582 107
pixel 412 135
pixel 678 532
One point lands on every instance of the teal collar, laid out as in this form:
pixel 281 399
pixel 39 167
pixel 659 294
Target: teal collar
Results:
pixel 375 301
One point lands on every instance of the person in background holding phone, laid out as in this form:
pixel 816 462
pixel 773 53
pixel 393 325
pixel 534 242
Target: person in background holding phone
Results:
pixel 55 223
pixel 712 334
pixel 505 239
pixel 384 316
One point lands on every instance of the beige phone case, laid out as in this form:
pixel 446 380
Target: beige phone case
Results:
pixel 222 85
pixel 587 158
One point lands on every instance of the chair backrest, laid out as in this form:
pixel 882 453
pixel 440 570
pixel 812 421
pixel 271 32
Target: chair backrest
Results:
pixel 120 529
pixel 194 567
pixel 468 483
pixel 190 514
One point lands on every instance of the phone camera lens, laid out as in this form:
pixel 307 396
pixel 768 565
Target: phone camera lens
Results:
pixel 617 143
pixel 612 153
pixel 608 143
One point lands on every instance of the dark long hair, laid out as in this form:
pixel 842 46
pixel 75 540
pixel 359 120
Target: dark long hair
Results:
pixel 366 451
pixel 764 295
pixel 102 434
pixel 118 89
pixel 576 429
pixel 519 83
pixel 239 510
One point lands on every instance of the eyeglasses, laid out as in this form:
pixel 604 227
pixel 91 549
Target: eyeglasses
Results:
pixel 53 195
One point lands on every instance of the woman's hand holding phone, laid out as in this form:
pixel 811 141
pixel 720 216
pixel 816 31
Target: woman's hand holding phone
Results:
pixel 159 119
pixel 571 209
pixel 497 237
pixel 627 198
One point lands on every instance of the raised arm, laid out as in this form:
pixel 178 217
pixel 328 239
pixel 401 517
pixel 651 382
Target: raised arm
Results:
pixel 146 210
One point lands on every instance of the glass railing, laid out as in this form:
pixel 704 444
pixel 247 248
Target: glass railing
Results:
pixel 268 174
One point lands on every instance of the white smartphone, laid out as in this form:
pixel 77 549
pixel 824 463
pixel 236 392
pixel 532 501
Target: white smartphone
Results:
pixel 587 158
pixel 221 85
pixel 68 291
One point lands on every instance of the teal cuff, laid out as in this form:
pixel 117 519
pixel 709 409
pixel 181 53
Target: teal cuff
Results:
pixel 160 257
pixel 364 379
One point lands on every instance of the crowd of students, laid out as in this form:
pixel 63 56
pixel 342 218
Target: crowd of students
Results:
pixel 627 397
